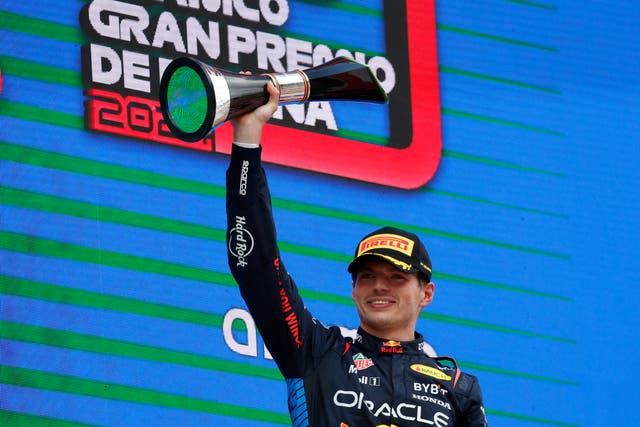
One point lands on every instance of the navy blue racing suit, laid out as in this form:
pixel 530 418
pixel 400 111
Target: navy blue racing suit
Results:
pixel 333 380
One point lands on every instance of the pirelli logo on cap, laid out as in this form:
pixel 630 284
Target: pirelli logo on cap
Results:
pixel 387 241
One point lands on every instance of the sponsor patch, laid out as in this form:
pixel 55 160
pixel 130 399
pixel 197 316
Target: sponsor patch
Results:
pixel 430 372
pixel 433 388
pixel 403 411
pixel 371 381
pixel 387 241
pixel 244 171
pixel 362 362
pixel 391 346
pixel 240 241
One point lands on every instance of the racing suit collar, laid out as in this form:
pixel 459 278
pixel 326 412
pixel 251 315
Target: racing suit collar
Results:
pixel 383 346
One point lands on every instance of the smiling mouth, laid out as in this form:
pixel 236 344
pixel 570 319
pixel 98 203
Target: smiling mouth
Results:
pixel 380 303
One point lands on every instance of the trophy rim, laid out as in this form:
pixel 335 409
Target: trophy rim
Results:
pixel 207 124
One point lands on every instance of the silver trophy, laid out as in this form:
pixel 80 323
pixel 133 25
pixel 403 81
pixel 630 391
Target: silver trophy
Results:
pixel 195 97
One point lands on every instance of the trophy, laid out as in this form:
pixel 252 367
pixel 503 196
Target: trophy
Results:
pixel 195 97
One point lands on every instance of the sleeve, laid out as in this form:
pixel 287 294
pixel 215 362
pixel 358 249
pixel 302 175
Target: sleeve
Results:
pixel 472 406
pixel 288 329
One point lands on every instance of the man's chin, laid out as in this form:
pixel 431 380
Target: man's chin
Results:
pixel 380 321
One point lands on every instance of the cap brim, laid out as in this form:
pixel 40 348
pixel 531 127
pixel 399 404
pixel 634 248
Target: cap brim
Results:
pixel 400 265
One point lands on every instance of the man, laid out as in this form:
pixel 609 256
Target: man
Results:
pixel 381 378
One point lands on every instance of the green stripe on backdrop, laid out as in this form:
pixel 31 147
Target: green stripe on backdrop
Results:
pixel 65 295
pixel 58 118
pixel 40 115
pixel 499 80
pixel 84 387
pixel 50 248
pixel 497 328
pixel 23 197
pixel 498 163
pixel 331 44
pixel 538 420
pixel 380 140
pixel 93 168
pixel 10 285
pixel 41 72
pixel 500 286
pixel 55 118
pixel 10 418
pixel 355 217
pixel 536 4
pixel 52 160
pixel 38 71
pixel 58 205
pixel 34 70
pixel 40 27
pixel 59 294
pixel 345 6
pixel 361 136
pixel 47 73
pixel 499 121
pixel 474 199
pixel 113 347
pixel 53 204
pixel 495 38
pixel 101 345
pixel 510 373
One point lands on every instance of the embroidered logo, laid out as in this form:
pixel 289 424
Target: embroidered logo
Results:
pixel 362 362
pixel 430 372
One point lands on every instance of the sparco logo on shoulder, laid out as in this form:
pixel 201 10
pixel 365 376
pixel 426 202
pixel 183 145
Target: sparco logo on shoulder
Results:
pixel 243 178
pixel 240 241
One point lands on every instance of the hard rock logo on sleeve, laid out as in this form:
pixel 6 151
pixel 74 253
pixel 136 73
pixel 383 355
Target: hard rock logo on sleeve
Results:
pixel 240 241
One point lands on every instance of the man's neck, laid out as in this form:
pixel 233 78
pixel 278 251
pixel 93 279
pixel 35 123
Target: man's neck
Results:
pixel 396 335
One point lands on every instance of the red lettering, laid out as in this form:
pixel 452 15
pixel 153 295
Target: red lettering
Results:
pixel 104 111
pixel 384 242
pixel 292 322
pixel 135 117
pixel 285 306
pixel 140 116
pixel 284 301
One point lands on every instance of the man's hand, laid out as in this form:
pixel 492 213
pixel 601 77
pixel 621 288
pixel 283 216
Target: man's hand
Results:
pixel 248 127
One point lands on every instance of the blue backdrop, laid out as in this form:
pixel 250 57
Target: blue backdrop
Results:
pixel 117 307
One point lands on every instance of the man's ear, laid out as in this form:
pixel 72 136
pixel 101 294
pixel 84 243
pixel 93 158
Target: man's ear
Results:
pixel 429 290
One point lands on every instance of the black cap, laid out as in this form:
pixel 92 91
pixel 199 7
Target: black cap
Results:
pixel 402 249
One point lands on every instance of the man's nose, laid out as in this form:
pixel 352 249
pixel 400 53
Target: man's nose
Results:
pixel 381 284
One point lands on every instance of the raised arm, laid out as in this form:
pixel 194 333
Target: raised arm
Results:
pixel 271 296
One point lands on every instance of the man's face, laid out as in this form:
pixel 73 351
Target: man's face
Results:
pixel 389 300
